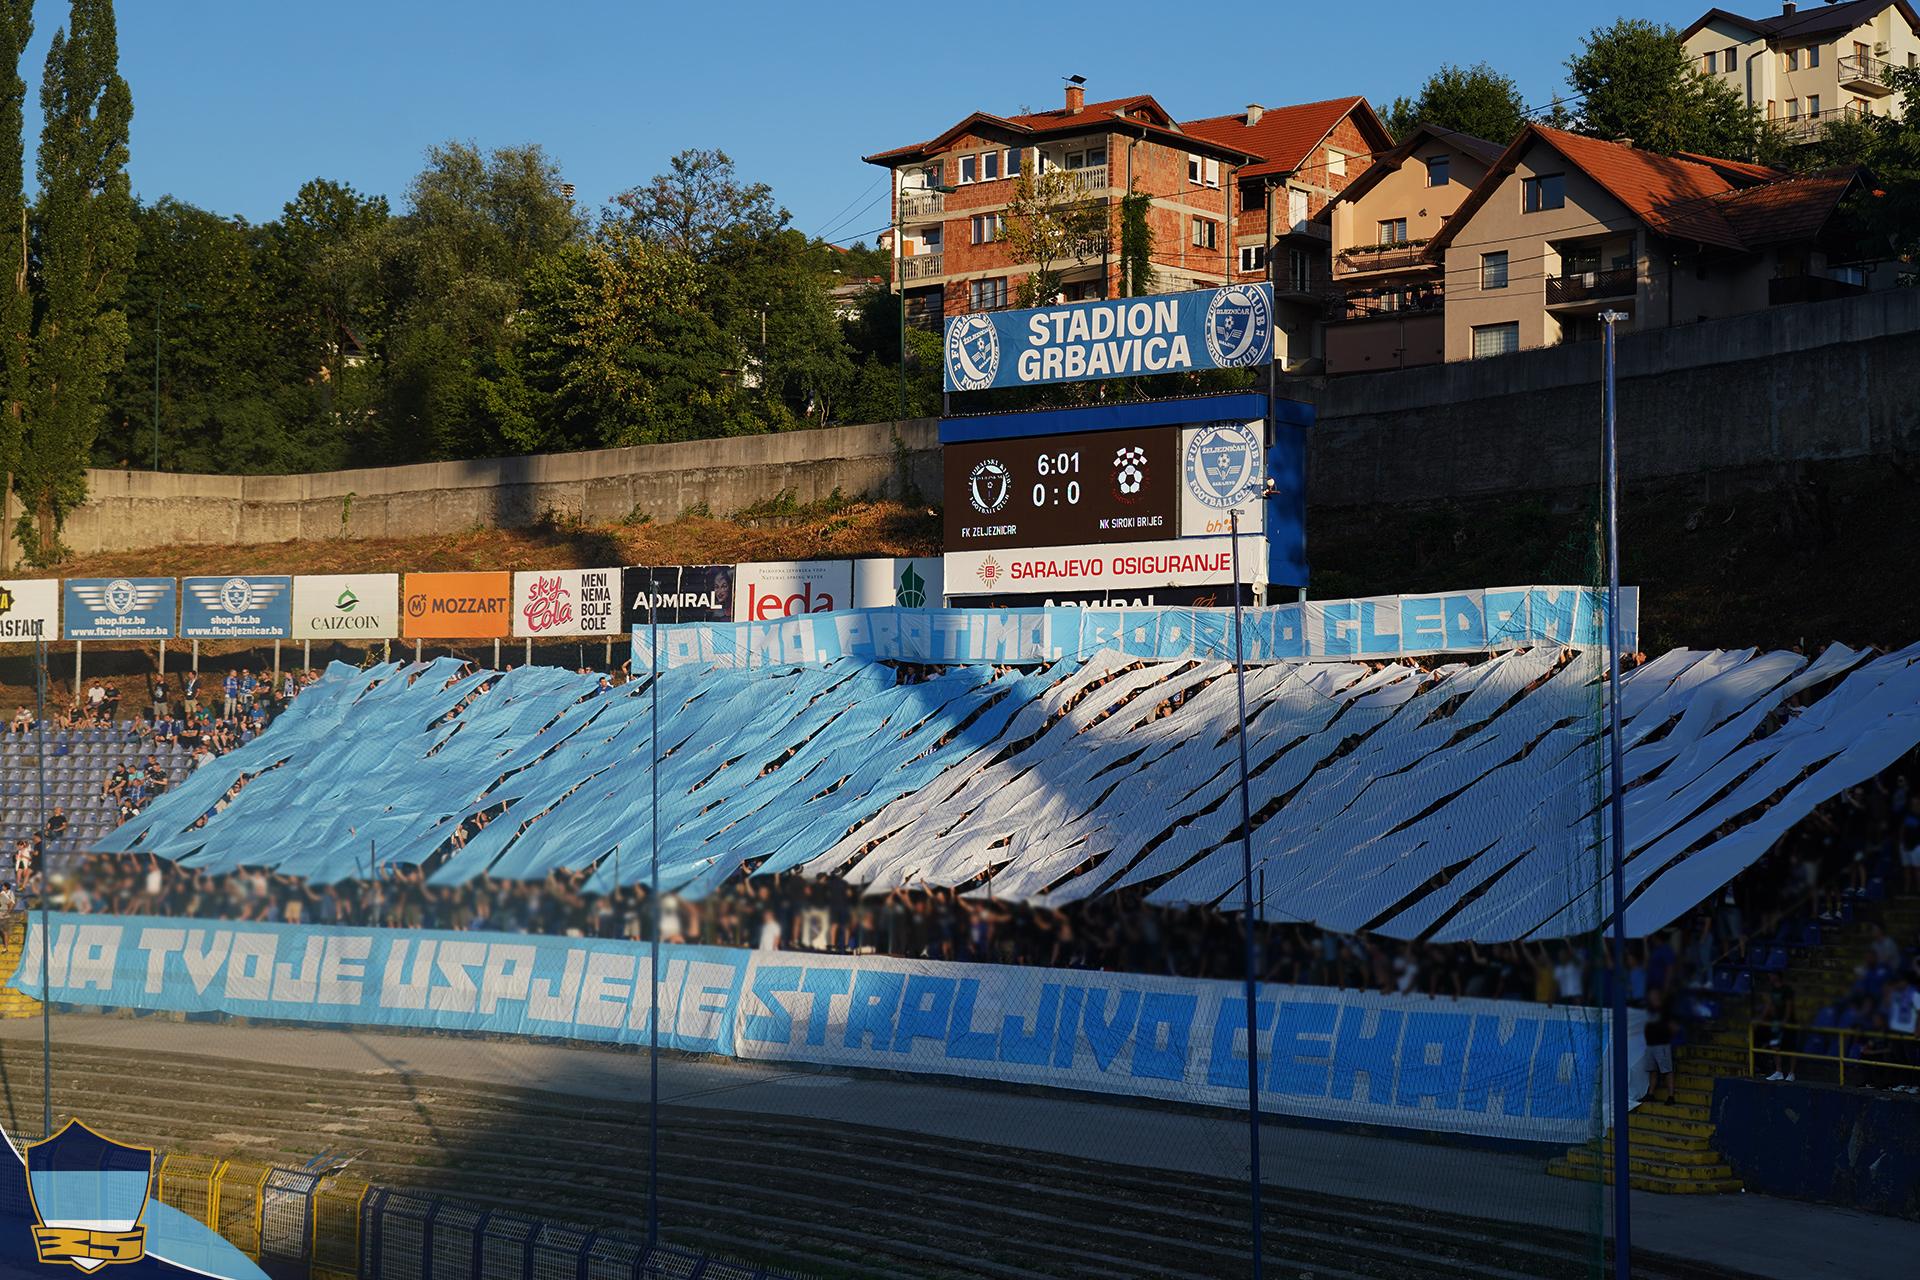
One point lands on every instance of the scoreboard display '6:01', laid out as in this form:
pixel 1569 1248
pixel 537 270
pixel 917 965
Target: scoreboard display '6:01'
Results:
pixel 1072 490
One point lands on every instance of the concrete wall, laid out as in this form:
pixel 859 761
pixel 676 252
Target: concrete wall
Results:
pixel 1727 401
pixel 131 509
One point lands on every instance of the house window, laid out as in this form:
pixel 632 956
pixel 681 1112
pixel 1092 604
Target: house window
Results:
pixel 1296 206
pixel 987 227
pixel 1706 64
pixel 1730 59
pixel 1298 270
pixel 985 295
pixel 1253 257
pixel 969 168
pixel 1206 233
pixel 1793 59
pixel 1495 339
pixel 1251 197
pixel 1793 108
pixel 1091 158
pixel 1437 169
pixel 1813 55
pixel 1336 163
pixel 1813 106
pixel 1493 270
pixel 1013 163
pixel 931 237
pixel 1393 231
pixel 990 166
pixel 1548 191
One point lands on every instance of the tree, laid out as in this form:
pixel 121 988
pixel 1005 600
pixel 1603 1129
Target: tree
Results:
pixel 1634 80
pixel 86 247
pixel 1136 245
pixel 1475 100
pixel 697 201
pixel 16 304
pixel 1050 222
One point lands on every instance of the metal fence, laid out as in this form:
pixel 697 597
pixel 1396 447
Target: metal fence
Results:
pixel 306 1226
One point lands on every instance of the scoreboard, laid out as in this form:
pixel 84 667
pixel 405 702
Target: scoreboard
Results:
pixel 1049 491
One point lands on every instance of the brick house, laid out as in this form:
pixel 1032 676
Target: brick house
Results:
pixel 950 259
pixel 1308 153
pixel 1222 189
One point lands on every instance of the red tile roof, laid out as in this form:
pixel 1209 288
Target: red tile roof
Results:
pixel 1686 198
pixel 1284 137
pixel 1137 112
pixel 1781 212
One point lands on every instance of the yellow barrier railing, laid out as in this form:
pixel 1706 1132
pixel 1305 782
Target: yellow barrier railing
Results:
pixel 1840 1037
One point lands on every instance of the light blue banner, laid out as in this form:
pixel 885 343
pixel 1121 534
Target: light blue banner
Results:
pixel 235 607
pixel 1230 328
pixel 1498 1068
pixel 1475 621
pixel 119 608
pixel 514 984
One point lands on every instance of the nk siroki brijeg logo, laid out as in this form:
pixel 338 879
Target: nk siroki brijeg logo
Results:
pixel 1239 324
pixel 91 1209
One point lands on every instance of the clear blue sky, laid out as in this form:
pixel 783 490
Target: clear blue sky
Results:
pixel 236 102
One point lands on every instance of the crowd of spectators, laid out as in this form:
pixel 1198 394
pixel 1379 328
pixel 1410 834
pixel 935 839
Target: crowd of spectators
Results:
pixel 1866 839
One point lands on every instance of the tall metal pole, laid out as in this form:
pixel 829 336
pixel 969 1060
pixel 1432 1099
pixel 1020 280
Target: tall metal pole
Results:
pixel 653 898
pixel 900 283
pixel 1246 900
pixel 46 971
pixel 1622 1191
pixel 158 301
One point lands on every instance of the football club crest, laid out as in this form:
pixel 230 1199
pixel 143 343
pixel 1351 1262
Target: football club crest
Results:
pixel 973 353
pixel 989 485
pixel 1129 473
pixel 236 596
pixel 88 1194
pixel 1239 326
pixel 120 597
pixel 1223 465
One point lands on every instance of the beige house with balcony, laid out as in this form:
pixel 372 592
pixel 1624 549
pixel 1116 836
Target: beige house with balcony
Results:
pixel 1812 63
pixel 1386 307
pixel 1564 227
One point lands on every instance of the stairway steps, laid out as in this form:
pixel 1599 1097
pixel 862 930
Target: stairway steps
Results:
pixel 1561 1167
pixel 1690 1127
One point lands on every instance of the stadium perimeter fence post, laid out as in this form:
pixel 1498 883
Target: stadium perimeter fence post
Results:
pixel 46 971
pixel 1246 901
pixel 1617 812
pixel 653 902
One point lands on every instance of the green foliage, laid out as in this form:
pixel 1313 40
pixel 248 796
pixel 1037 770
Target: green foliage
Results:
pixel 1634 80
pixel 1475 100
pixel 1051 224
pixel 16 303
pixel 86 247
pixel 1136 245
pixel 1885 218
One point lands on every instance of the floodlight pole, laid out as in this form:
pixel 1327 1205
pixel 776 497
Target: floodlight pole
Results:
pixel 1246 912
pixel 1617 812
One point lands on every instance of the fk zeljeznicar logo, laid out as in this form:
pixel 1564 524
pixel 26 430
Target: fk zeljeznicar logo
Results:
pixel 973 352
pixel 88 1195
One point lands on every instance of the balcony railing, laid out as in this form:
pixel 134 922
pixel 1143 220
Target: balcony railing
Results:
pixel 1088 181
pixel 921 266
pixel 1370 304
pixel 1384 257
pixel 921 204
pixel 1783 290
pixel 1863 74
pixel 1579 286
pixel 1809 127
